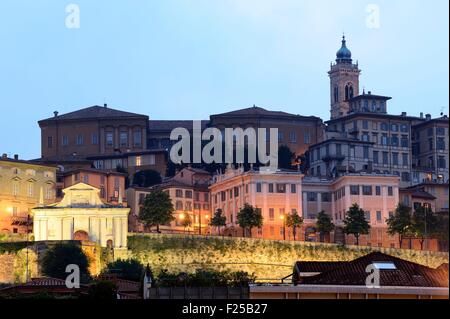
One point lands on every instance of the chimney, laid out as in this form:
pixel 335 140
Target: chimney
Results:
pixel 105 105
pixel 16 156
pixel 421 115
pixel 55 113
pixel 4 155
pixel 428 117
pixel 370 92
pixel 403 113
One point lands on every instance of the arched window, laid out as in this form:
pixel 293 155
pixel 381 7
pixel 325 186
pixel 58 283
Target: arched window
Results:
pixel 336 94
pixel 349 91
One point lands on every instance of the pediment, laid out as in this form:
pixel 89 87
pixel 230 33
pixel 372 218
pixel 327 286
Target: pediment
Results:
pixel 81 195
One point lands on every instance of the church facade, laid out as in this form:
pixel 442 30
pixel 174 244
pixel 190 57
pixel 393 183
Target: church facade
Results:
pixel 81 215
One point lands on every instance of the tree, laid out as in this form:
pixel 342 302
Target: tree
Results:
pixel 400 223
pixel 294 220
pixel 156 210
pixel 304 162
pixel 355 222
pixel 60 256
pixel 187 221
pixel 102 290
pixel 146 178
pixel 129 269
pixel 423 223
pixel 323 224
pixel 218 220
pixel 441 231
pixel 249 217
pixel 285 157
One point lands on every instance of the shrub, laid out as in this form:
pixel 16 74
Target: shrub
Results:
pixel 130 269
pixel 60 256
pixel 102 290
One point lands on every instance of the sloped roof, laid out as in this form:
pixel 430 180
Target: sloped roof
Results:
pixel 317 266
pixel 257 111
pixel 418 192
pixel 406 274
pixel 93 112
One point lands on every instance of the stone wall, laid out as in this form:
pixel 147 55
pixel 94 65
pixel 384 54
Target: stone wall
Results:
pixel 13 260
pixel 267 259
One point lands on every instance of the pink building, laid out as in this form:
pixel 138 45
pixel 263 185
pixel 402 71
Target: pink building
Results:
pixel 285 192
pixel 275 194
pixel 110 183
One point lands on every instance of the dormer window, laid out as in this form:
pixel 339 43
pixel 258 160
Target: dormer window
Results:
pixel 384 265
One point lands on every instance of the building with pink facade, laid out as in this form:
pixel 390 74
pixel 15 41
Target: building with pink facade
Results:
pixel 275 194
pixel 285 192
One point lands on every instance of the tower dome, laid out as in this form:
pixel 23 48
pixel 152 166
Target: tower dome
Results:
pixel 344 54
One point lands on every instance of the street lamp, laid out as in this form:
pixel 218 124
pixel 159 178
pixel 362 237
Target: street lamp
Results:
pixel 207 222
pixel 284 226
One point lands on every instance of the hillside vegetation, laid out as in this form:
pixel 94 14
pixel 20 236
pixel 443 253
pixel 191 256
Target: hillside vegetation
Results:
pixel 267 259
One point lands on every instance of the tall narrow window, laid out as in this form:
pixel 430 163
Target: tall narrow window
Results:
pixel 80 139
pixel 109 139
pixel 50 142
pixel 137 137
pixel 123 139
pixel 94 139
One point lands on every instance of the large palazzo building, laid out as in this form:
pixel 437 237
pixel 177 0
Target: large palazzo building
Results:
pixel 23 186
pixel 286 192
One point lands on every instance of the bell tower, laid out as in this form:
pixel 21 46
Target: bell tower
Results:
pixel 344 81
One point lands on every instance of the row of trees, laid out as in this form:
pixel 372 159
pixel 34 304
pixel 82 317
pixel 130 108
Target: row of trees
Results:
pixel 158 210
pixel 420 224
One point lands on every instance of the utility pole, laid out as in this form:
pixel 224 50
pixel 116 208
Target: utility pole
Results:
pixel 27 260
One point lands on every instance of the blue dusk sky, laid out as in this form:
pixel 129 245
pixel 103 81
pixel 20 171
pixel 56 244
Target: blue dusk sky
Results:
pixel 187 59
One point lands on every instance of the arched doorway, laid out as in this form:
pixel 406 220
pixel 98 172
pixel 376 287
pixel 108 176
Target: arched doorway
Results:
pixel 109 243
pixel 310 234
pixel 81 235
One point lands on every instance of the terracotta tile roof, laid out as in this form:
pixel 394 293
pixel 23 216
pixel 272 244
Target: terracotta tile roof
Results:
pixel 46 281
pixel 61 160
pixel 407 273
pixel 94 112
pixel 174 183
pixel 417 192
pixel 256 111
pixel 317 266
pixel 127 286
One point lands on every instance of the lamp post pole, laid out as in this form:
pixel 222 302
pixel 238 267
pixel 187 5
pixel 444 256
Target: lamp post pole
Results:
pixel 27 260
pixel 283 218
pixel 199 221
